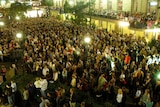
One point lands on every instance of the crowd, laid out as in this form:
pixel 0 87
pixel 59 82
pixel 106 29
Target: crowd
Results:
pixel 137 20
pixel 55 51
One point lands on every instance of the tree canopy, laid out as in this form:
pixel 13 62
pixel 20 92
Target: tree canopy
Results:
pixel 47 2
pixel 78 11
pixel 17 9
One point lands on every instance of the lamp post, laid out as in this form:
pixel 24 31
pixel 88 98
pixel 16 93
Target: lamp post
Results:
pixel 87 41
pixel 17 18
pixel 19 36
pixel 18 53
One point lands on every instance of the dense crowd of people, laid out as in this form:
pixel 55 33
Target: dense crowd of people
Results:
pixel 137 20
pixel 55 51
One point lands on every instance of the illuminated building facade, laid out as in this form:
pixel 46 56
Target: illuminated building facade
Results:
pixel 117 5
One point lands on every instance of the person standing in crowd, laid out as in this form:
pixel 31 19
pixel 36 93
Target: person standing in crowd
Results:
pixel 44 102
pixel 64 75
pixel 101 82
pixel 3 72
pixel 26 97
pixel 145 100
pixel 8 93
pixel 1 54
pixel 74 80
pixel 73 98
pixel 119 98
pixel 45 70
pixel 14 90
pixel 43 86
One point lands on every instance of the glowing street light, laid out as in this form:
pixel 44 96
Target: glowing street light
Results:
pixel 71 2
pixel 17 18
pixel 19 35
pixel 1 23
pixel 87 40
pixel 158 76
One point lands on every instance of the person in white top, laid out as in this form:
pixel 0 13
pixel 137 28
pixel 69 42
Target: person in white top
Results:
pixel 45 70
pixel 43 86
pixel 119 98
pixel 13 86
pixel 1 53
pixel 14 89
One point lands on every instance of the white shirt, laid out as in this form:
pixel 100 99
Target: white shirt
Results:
pixel 44 84
pixel 14 87
pixel 119 98
pixel 44 71
pixel 64 73
pixel 37 84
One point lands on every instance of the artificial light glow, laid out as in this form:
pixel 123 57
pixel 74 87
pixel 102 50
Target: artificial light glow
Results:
pixel 124 24
pixel 158 76
pixel 153 3
pixel 12 1
pixel 71 3
pixel 1 23
pixel 3 2
pixel 34 13
pixel 87 39
pixel 77 52
pixel 19 35
pixel 17 18
pixel 153 30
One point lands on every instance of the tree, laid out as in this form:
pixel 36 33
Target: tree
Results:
pixel 47 2
pixel 78 11
pixel 17 9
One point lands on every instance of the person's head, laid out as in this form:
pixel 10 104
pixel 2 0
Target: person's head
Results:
pixel 146 91
pixel 71 90
pixel 120 91
pixel 65 105
pixel 25 88
pixel 83 104
pixel 12 81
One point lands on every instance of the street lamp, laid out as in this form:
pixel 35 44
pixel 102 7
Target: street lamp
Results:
pixel 71 3
pixel 19 35
pixel 1 23
pixel 87 40
pixel 17 18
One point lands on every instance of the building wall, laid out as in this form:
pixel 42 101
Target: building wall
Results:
pixel 97 2
pixel 126 5
pixel 114 5
pixel 142 6
pixel 103 4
